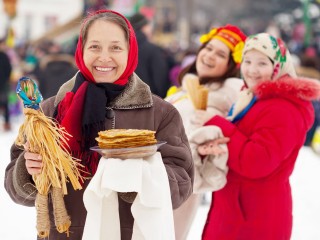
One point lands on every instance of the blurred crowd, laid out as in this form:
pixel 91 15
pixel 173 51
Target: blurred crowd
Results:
pixel 51 64
pixel 233 109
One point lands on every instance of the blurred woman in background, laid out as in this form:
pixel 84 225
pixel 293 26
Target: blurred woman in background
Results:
pixel 216 68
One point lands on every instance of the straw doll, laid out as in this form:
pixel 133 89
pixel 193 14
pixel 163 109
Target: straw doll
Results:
pixel 40 134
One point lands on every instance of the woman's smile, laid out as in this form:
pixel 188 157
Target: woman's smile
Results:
pixel 104 69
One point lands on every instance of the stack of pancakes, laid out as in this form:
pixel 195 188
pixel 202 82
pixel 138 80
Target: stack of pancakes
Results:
pixel 111 140
pixel 125 138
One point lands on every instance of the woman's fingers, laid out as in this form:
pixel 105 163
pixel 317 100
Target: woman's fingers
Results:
pixel 33 167
pixel 212 147
pixel 218 150
pixel 26 146
pixel 33 162
pixel 222 140
pixel 32 156
pixel 202 150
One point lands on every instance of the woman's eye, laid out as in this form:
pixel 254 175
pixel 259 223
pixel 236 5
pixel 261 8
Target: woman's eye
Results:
pixel 94 47
pixel 221 55
pixel 116 48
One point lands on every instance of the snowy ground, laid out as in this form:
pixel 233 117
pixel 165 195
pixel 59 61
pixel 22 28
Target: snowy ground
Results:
pixel 18 222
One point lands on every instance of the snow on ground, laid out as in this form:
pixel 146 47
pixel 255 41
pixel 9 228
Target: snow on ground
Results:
pixel 18 222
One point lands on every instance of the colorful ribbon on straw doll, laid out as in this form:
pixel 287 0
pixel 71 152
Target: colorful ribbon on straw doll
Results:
pixel 36 95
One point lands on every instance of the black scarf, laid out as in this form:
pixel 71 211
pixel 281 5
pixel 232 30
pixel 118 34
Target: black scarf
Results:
pixel 97 97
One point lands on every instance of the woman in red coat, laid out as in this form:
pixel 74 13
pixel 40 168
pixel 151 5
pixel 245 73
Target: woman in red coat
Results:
pixel 266 128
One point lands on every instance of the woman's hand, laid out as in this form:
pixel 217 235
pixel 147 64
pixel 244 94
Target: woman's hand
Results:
pixel 212 147
pixel 33 161
pixel 200 117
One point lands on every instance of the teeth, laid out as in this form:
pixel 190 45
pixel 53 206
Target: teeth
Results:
pixel 103 69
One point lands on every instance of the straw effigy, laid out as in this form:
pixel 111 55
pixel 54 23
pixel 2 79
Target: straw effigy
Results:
pixel 44 136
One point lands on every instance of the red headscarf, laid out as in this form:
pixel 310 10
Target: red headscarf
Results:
pixel 132 56
pixel 71 108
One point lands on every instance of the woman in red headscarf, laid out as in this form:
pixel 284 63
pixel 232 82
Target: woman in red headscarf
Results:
pixel 105 94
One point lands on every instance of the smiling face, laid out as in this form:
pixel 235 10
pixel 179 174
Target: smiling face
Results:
pixel 212 60
pixel 256 67
pixel 105 52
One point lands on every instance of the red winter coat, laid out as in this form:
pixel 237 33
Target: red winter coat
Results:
pixel 256 202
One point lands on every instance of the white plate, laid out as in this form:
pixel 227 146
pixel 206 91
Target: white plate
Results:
pixel 125 153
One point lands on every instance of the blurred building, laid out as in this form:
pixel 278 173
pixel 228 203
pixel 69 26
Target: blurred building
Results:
pixel 185 20
pixel 176 22
pixel 34 18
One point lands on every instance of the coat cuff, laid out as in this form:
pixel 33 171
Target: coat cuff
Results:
pixel 22 180
pixel 210 171
pixel 227 127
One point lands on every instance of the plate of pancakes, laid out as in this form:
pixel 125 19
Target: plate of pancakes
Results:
pixel 127 143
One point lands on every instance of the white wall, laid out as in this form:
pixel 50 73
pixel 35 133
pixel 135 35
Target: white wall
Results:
pixel 33 13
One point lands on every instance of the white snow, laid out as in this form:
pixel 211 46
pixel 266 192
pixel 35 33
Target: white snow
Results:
pixel 18 222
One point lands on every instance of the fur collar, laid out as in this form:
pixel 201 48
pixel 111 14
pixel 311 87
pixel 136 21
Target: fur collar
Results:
pixel 288 87
pixel 137 94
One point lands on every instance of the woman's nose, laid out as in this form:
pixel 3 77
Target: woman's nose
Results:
pixel 212 55
pixel 252 68
pixel 104 56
